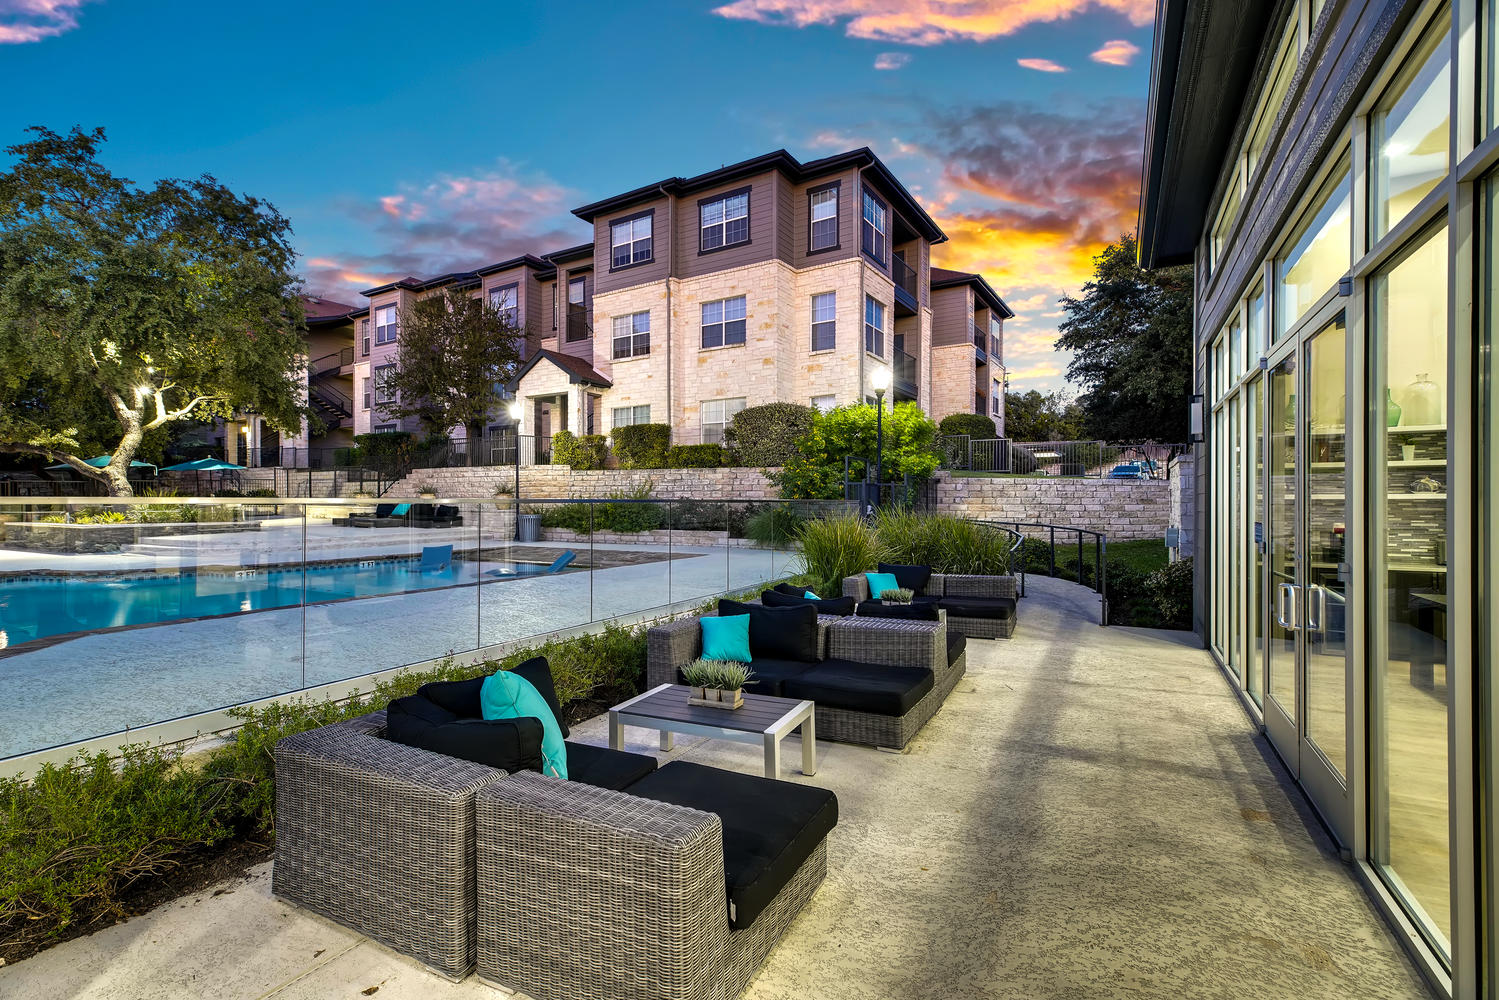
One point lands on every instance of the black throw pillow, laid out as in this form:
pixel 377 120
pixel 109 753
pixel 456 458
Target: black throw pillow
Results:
pixel 910 577
pixel 790 590
pixel 842 606
pixel 462 697
pixel 778 633
pixel 539 672
pixel 910 612
pixel 508 744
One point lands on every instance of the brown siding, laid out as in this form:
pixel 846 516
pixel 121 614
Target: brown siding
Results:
pixel 578 348
pixel 952 316
pixel 848 221
pixel 609 281
pixel 762 243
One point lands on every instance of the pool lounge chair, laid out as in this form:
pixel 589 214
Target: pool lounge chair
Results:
pixel 386 515
pixel 435 557
pixel 558 565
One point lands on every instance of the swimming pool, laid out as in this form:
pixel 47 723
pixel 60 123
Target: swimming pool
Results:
pixel 34 608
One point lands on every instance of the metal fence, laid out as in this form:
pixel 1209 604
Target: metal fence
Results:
pixel 1083 459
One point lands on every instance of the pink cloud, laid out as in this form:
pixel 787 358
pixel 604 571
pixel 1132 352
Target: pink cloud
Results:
pixel 23 21
pixel 892 60
pixel 1116 53
pixel 927 22
pixel 1042 65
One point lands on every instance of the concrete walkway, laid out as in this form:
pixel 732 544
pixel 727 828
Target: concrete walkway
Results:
pixel 1090 815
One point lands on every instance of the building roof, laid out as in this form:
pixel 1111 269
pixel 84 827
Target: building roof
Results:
pixel 1202 64
pixel 318 311
pixel 797 171
pixel 582 250
pixel 579 372
pixel 458 279
pixel 944 278
pixel 524 260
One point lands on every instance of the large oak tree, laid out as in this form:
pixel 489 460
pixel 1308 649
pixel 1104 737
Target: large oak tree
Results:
pixel 125 309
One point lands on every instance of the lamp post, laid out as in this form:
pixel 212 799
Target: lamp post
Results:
pixel 879 380
pixel 517 409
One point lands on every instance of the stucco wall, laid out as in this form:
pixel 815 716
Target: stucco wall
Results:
pixel 1124 509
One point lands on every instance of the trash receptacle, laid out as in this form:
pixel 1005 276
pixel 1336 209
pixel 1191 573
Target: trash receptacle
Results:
pixel 530 528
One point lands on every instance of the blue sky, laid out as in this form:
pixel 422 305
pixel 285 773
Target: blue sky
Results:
pixel 401 141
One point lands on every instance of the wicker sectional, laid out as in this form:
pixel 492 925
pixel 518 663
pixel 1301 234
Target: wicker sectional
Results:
pixel 878 641
pixel 954 585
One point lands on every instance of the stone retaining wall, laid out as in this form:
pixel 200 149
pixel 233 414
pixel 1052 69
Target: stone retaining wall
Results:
pixel 52 536
pixel 1122 508
pixel 557 482
pixel 675 537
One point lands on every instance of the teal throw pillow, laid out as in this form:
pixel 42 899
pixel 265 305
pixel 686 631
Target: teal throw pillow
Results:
pixel 811 596
pixel 507 695
pixel 880 582
pixel 400 510
pixel 726 637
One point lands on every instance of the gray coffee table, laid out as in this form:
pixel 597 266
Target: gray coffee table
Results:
pixel 763 719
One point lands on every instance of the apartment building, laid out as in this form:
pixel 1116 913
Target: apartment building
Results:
pixel 762 281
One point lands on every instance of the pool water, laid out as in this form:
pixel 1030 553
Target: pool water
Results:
pixel 36 609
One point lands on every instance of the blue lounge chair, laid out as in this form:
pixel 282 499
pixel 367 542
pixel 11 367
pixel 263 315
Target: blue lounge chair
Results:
pixel 562 561
pixel 435 557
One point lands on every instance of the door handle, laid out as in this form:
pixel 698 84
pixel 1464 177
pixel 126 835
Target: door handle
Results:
pixel 1317 602
pixel 1285 606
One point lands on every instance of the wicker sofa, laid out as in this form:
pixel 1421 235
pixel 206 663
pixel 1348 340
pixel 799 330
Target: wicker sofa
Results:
pixel 849 649
pixel 980 607
pixel 662 891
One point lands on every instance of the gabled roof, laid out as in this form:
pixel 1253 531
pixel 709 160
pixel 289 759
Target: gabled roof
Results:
pixel 943 278
pixel 410 283
pixel 524 260
pixel 797 171
pixel 571 253
pixel 318 311
pixel 579 372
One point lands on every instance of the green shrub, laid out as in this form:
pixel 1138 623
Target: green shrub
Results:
pixel 386 452
pixel 227 493
pixel 347 458
pixel 642 446
pixel 775 524
pixel 696 456
pixel 973 425
pixel 836 547
pixel 261 491
pixel 815 472
pixel 767 435
pixel 947 544
pixel 621 517
pixel 1170 591
pixel 585 452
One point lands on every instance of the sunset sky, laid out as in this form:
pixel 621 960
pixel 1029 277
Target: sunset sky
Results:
pixel 416 139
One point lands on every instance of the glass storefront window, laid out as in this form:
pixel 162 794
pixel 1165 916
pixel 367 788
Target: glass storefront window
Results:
pixel 1408 473
pixel 1275 95
pixel 1408 133
pixel 1320 253
pixel 1235 351
pixel 1254 528
pixel 1226 216
pixel 1257 340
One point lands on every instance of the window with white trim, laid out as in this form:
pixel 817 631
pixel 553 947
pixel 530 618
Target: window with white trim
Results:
pixel 632 335
pixel 875 238
pixel 724 221
pixel 505 300
pixel 822 210
pixel 716 415
pixel 824 403
pixel 626 416
pixel 630 241
pixel 874 326
pixel 385 325
pixel 824 321
pixel 723 322
pixel 384 393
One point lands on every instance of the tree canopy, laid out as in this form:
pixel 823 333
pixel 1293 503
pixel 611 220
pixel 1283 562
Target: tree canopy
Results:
pixel 127 309
pixel 1131 338
pixel 456 354
pixel 1037 416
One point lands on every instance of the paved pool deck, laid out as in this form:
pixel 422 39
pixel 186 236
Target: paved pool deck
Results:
pixel 103 682
pixel 1090 815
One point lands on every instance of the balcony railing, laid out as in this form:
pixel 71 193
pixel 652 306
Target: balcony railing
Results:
pixel 981 404
pixel 904 276
pixel 578 327
pixel 903 370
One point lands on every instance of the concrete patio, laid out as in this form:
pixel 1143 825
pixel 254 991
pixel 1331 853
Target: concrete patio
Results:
pixel 1091 814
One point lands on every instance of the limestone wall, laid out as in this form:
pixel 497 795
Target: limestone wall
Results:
pixel 1124 509
pixel 560 482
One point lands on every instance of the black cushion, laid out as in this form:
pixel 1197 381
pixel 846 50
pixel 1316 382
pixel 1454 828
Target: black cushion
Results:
pixel 979 607
pixel 841 606
pixel 384 509
pixel 770 828
pixel 605 768
pixel 445 512
pixel 922 611
pixel 861 687
pixel 508 744
pixel 462 697
pixel 768 674
pixel 911 577
pixel 956 643
pixel 777 633
pixel 790 590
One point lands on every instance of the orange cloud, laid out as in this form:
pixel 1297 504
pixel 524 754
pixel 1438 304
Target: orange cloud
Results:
pixel 23 21
pixel 1042 65
pixel 1116 53
pixel 928 22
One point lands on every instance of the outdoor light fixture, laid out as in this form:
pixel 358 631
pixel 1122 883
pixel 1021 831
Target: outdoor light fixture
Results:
pixel 517 409
pixel 1194 417
pixel 879 379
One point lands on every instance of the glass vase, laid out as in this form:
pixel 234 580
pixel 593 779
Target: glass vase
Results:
pixel 1423 402
pixel 1391 409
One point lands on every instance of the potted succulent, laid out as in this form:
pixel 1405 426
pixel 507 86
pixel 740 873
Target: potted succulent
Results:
pixel 900 595
pixel 716 683
pixel 363 495
pixel 426 489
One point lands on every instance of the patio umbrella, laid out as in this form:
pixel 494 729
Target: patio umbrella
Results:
pixel 202 465
pixel 100 461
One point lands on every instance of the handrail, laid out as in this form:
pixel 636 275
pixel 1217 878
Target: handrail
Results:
pixel 332 397
pixel 1100 554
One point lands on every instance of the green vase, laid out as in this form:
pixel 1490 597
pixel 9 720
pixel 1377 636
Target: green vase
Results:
pixel 1391 409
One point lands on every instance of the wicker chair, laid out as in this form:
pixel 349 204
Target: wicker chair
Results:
pixel 379 837
pixel 592 894
pixel 954 585
pixel 879 641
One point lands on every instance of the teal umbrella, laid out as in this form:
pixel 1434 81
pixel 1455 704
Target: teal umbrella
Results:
pixel 100 461
pixel 202 465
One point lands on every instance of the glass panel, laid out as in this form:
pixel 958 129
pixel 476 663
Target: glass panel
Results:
pixel 1327 518
pixel 1280 534
pixel 1320 254
pixel 1235 352
pixel 1408 134
pixel 1253 678
pixel 1231 541
pixel 1219 495
pixel 1256 340
pixel 1275 96
pixel 1409 446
